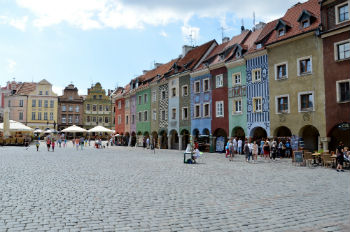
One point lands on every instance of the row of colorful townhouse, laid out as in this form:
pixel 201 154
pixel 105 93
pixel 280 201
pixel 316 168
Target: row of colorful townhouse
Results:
pixel 289 77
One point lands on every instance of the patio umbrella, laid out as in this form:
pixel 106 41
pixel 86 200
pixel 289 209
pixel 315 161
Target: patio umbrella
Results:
pixel 100 129
pixel 74 129
pixel 15 126
pixel 37 131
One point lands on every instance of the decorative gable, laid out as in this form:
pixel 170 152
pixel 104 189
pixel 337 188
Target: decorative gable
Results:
pixel 306 18
pixel 282 27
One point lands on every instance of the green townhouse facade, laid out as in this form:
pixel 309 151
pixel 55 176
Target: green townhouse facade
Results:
pixel 143 107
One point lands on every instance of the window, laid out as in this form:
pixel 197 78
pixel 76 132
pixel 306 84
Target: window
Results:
pixel 140 100
pixel 197 111
pixel 127 104
pixel 100 97
pixel 119 119
pixel 185 90
pixel 100 119
pixel 40 92
pixel 127 119
pixel 107 107
pixel 140 117
pixel 154 96
pixel 305 23
pixel 94 119
pixel 51 116
pixel 281 32
pixel 70 118
pixel 342 12
pixel 70 108
pixel 94 107
pixel 173 113
pixel 306 101
pixel 70 98
pixel 100 107
pixel 305 66
pixel 33 103
pixel 282 104
pixel 163 94
pixel 256 75
pixel 40 103
pixel 33 115
pixel 236 79
pixel 154 115
pixel 20 103
pixel 257 104
pixel 46 103
pixel 163 115
pixel 258 46
pixel 46 93
pixel 219 81
pixel 39 115
pixel 119 104
pixel 173 92
pixel 77 109
pixel 51 103
pixel 88 107
pixel 77 119
pixel 184 113
pixel 145 99
pixel 206 85
pixel 343 91
pixel 342 50
pixel 106 119
pixel 145 116
pixel 220 109
pixel 206 110
pixel 132 119
pixel 237 106
pixel 281 71
pixel 197 86
pixel 94 97
pixel 63 120
pixel 63 108
pixel 20 117
pixel 45 116
pixel 88 119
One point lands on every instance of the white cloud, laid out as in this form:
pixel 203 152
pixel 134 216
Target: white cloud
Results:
pixel 135 14
pixel 57 89
pixel 19 23
pixel 163 33
pixel 11 64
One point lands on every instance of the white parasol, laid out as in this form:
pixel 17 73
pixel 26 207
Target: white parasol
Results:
pixel 74 129
pixel 15 126
pixel 100 129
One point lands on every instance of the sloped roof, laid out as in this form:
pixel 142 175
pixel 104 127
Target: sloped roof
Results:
pixel 26 88
pixel 159 71
pixel 44 82
pixel 292 15
pixel 266 31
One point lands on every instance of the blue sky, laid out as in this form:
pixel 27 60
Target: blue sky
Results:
pixel 112 41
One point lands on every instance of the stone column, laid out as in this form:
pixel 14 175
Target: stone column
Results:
pixel 180 142
pixel 212 143
pixel 159 141
pixel 169 141
pixel 325 141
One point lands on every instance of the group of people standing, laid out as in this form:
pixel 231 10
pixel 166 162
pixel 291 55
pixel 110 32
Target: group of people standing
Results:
pixel 264 147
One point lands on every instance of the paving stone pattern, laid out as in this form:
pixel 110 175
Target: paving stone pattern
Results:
pixel 131 189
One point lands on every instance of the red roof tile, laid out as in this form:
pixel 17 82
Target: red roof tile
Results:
pixel 292 15
pixel 26 88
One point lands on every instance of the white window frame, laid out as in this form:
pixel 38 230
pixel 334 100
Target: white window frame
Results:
pixel 276 104
pixel 299 102
pixel 194 86
pixel 154 115
pixel 254 105
pixel 195 111
pixel 234 79
pixel 51 116
pixel 223 107
pixel 126 119
pixel 172 92
pixel 338 90
pixel 276 71
pixel 183 113
pixel 145 98
pixel 234 112
pixel 127 104
pixel 183 92
pixel 336 8
pixel 336 55
pixel 298 66
pixel 206 90
pixel 219 80
pixel 254 76
pixel 20 116
pixel 154 96
pixel 172 113
pixel 63 119
pixel 139 98
pixel 76 119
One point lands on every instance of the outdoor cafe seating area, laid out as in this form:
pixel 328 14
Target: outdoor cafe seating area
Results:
pixel 315 159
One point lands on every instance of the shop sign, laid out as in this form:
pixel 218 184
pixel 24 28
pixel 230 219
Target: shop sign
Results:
pixel 344 126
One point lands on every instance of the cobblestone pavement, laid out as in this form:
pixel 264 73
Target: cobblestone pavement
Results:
pixel 131 189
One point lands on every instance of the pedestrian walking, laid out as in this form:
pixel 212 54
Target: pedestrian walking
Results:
pixel 76 143
pixel 340 157
pixel 81 141
pixel 266 150
pixel 274 150
pixel 240 143
pixel 231 148
pixel 234 145
pixel 59 142
pixel 53 145
pixel 65 143
pixel 246 151
pixel 255 151
pixel 37 144
pixel 48 144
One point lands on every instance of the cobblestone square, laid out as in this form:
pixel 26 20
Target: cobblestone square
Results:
pixel 132 189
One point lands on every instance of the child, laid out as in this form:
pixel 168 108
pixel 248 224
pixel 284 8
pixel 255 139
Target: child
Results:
pixel 37 144
pixel 48 144
pixel 53 145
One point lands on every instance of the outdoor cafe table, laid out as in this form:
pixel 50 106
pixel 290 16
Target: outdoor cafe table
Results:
pixel 316 156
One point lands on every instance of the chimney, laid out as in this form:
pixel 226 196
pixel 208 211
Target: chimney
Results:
pixel 144 72
pixel 242 28
pixel 156 65
pixel 186 49
pixel 259 26
pixel 225 39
